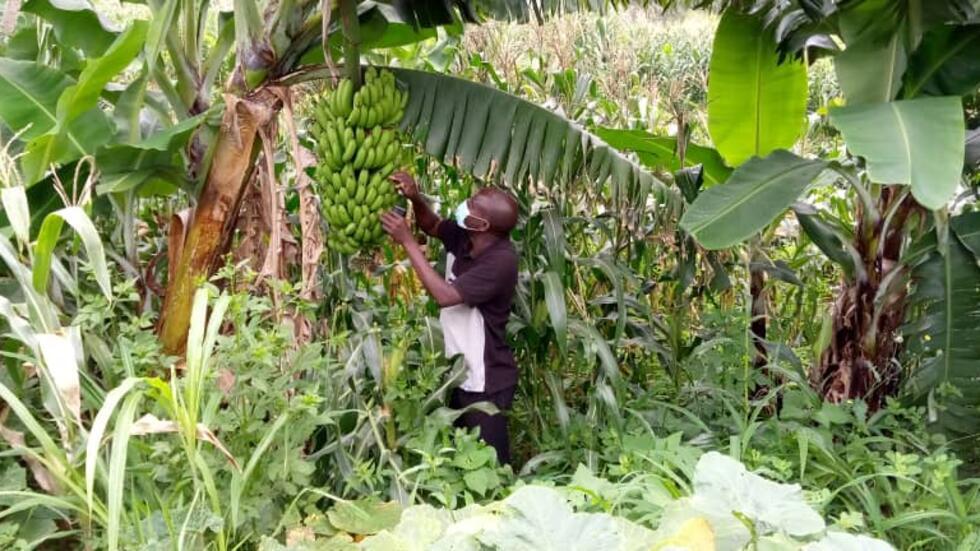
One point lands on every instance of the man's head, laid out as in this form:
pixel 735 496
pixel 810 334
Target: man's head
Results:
pixel 491 210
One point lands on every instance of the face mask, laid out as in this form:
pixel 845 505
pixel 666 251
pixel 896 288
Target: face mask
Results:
pixel 461 213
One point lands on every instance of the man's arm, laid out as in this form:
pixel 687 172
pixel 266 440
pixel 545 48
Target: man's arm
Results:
pixel 440 289
pixel 428 220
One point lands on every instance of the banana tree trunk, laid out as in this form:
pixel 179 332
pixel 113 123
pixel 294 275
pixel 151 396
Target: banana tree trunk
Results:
pixel 216 211
pixel 860 360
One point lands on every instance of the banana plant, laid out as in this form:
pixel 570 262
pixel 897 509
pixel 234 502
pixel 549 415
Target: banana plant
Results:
pixel 903 72
pixel 176 126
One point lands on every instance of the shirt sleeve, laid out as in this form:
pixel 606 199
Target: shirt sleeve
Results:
pixel 489 277
pixel 452 236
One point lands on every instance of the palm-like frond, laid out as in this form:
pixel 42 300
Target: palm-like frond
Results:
pixel 429 13
pixel 946 295
pixel 497 136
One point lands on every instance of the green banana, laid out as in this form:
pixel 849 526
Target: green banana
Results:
pixel 357 146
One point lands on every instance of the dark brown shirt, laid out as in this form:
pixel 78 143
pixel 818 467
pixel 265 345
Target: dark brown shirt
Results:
pixel 486 282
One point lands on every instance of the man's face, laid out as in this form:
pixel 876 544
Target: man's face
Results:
pixel 469 215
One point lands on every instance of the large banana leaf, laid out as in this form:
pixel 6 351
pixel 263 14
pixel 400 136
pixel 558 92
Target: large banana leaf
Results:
pixel 917 142
pixel 662 152
pixel 756 193
pixel 946 63
pixel 523 10
pixel 946 297
pixel 84 95
pixel 755 103
pixel 29 98
pixel 76 23
pixel 871 68
pixel 967 229
pixel 495 135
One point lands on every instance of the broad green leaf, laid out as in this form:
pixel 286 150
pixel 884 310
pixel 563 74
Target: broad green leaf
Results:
pixel 126 113
pixel 23 44
pixel 176 135
pixel 492 134
pixel 76 24
pixel 29 96
pixel 755 103
pixel 152 166
pixel 967 229
pixel 554 296
pixel 660 152
pixel 84 94
pixel 757 192
pixel 917 142
pixel 842 541
pixel 870 73
pixel 384 27
pixel 368 515
pixel 541 519
pixel 944 333
pixel 870 69
pixel 89 236
pixel 420 525
pixel 83 137
pixel 723 485
pixel 946 63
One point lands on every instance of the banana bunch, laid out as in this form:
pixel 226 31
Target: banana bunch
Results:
pixel 357 149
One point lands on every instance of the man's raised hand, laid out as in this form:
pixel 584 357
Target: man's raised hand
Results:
pixel 405 184
pixel 396 227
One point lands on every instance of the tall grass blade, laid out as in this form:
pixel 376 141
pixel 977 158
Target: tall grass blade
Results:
pixel 554 295
pixel 99 426
pixel 61 373
pixel 240 481
pixel 89 236
pixel 117 467
pixel 51 450
pixel 15 207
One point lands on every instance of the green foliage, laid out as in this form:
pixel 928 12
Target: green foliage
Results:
pixel 945 275
pixel 755 194
pixel 755 103
pixel 916 142
pixel 635 370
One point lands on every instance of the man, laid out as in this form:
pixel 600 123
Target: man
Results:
pixel 475 296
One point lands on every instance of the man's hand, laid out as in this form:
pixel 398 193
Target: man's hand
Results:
pixel 396 227
pixel 405 184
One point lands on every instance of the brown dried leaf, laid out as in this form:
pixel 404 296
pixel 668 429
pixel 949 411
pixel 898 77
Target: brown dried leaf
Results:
pixel 41 475
pixel 309 209
pixel 150 424
pixel 176 235
pixel 226 381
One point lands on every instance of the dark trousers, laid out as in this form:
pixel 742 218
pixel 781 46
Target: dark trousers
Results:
pixel 493 428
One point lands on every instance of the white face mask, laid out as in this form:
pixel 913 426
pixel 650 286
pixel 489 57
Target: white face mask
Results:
pixel 461 213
